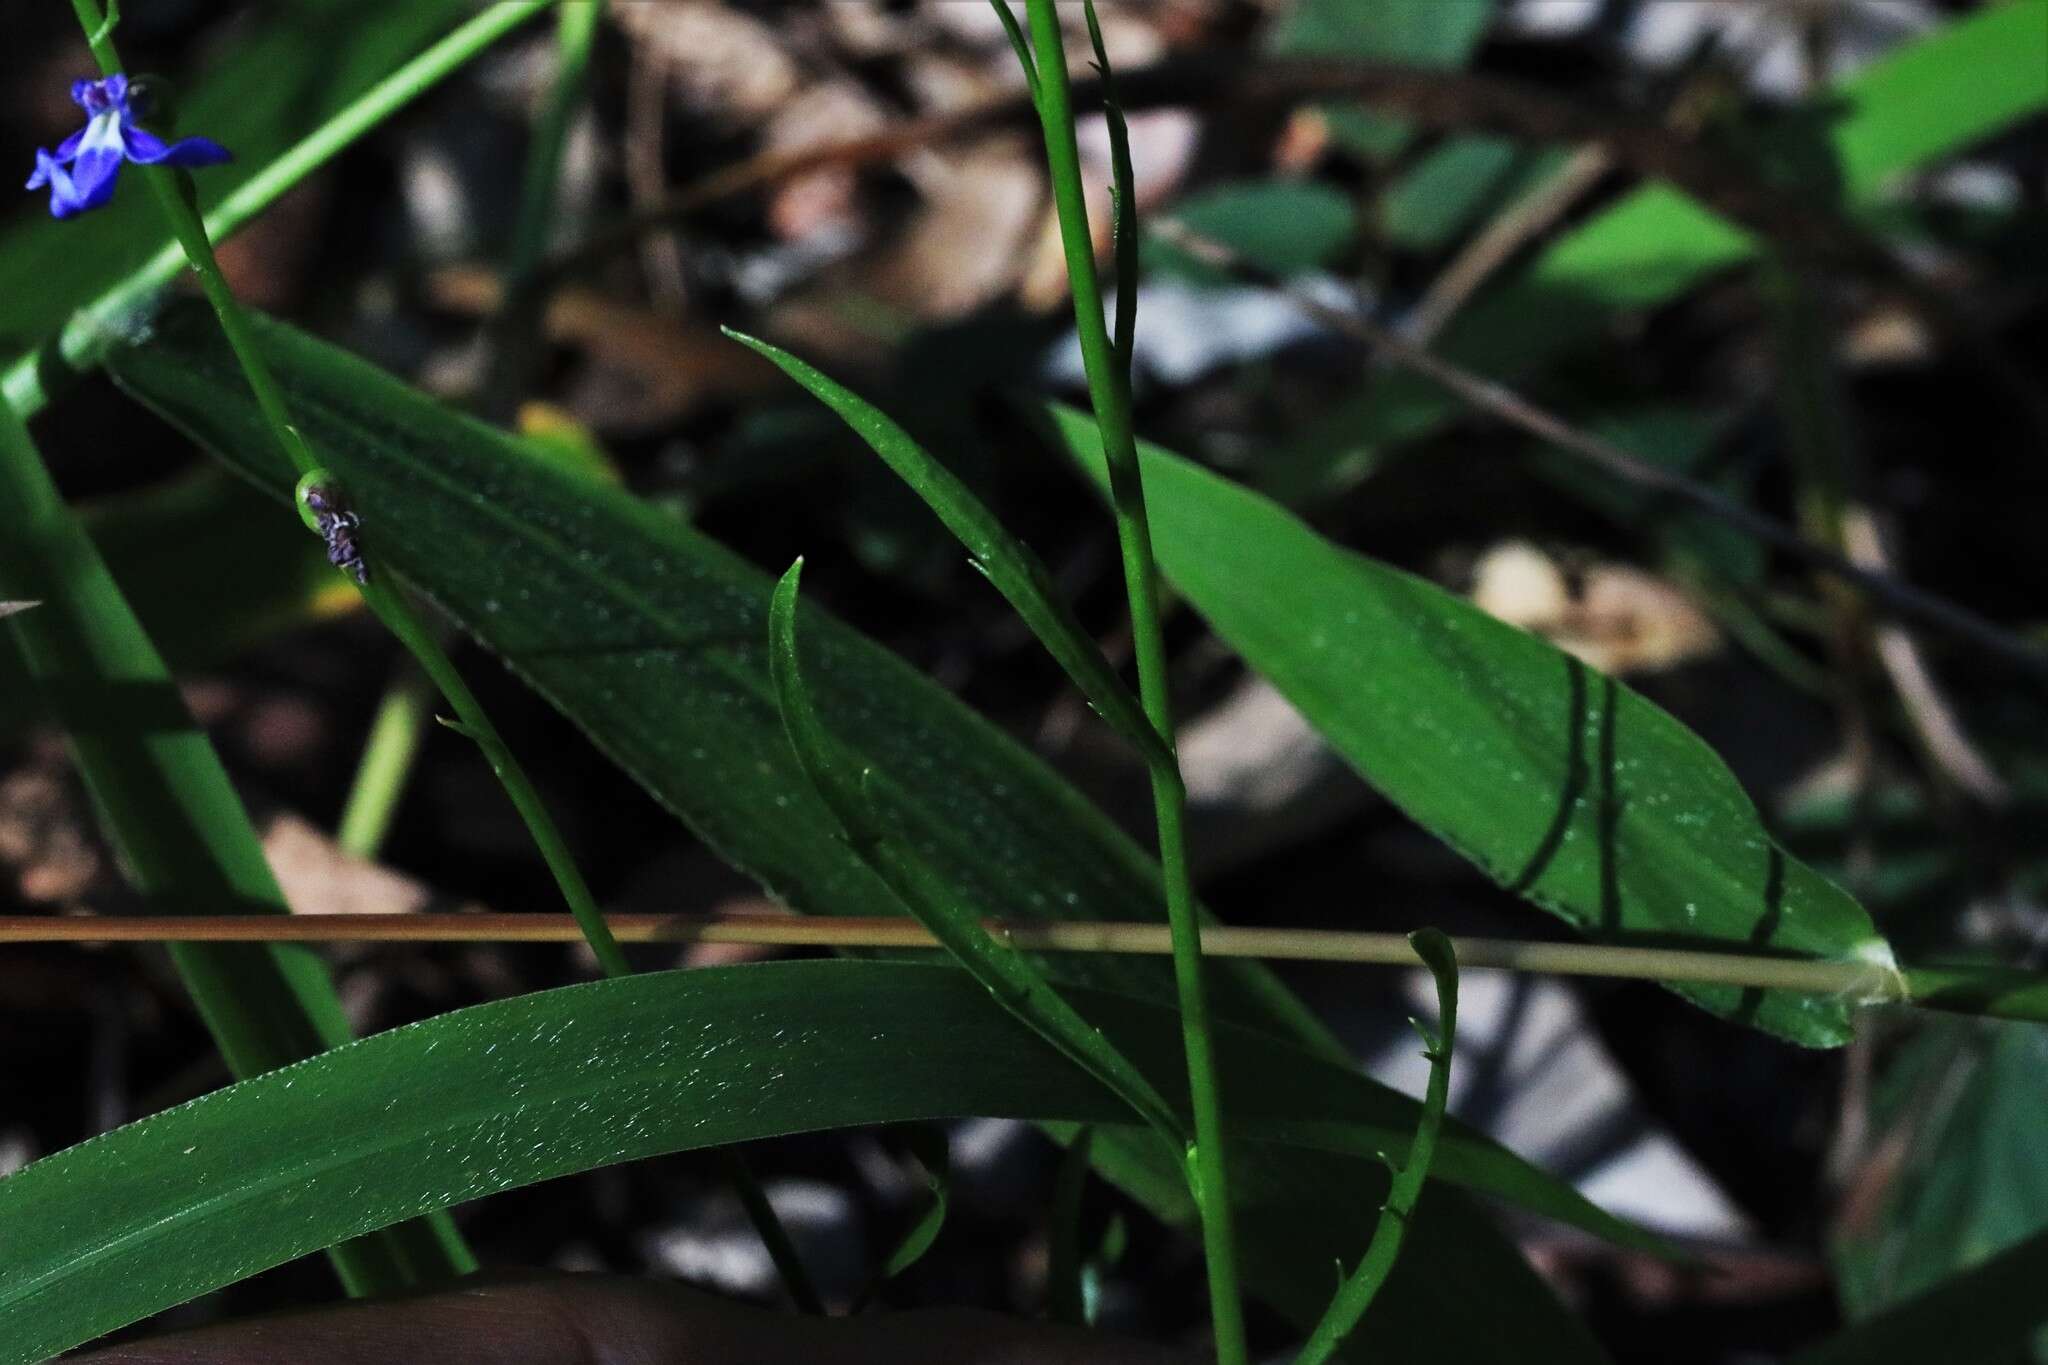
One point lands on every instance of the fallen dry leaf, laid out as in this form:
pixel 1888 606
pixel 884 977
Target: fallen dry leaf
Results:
pixel 318 878
pixel 722 63
pixel 658 368
pixel 1615 617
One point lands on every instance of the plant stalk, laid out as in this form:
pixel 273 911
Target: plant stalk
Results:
pixel 173 193
pixel 168 807
pixel 1108 386
pixel 1365 1283
pixel 98 325
pixel 1982 989
pixel 516 329
pixel 379 784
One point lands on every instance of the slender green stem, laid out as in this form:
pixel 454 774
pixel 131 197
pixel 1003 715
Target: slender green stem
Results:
pixel 1109 387
pixel 1066 1288
pixel 388 754
pixel 173 193
pixel 517 326
pixel 97 326
pixel 515 334
pixel 768 1224
pixel 471 721
pixel 1381 1253
pixel 577 22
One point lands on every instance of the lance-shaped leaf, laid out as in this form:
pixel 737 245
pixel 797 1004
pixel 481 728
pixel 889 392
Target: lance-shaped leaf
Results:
pixel 1009 564
pixel 1006 974
pixel 1563 785
pixel 653 639
pixel 490 1098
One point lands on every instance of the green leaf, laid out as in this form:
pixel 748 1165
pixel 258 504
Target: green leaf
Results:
pixel 1443 193
pixel 283 80
pixel 501 1095
pixel 928 1145
pixel 206 566
pixel 653 639
pixel 1430 33
pixel 851 794
pixel 1981 1316
pixel 1009 564
pixel 1285 226
pixel 1951 88
pixel 167 806
pixel 1965 1099
pixel 1560 783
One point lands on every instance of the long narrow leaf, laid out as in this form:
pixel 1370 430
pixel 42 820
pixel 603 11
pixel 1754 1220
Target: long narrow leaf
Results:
pixel 1005 973
pixel 1009 564
pixel 653 639
pixel 1561 784
pixel 502 1095
pixel 167 805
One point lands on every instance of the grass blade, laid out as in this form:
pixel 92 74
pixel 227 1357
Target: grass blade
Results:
pixel 1005 973
pixel 1008 563
pixel 501 1095
pixel 168 807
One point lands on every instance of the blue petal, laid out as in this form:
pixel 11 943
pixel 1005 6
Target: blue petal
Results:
pixel 47 170
pixel 68 148
pixel 65 200
pixel 84 192
pixel 99 160
pixel 146 148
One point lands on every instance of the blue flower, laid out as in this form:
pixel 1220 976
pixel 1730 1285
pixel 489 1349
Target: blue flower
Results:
pixel 95 152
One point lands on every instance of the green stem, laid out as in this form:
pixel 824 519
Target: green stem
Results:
pixel 471 721
pixel 576 25
pixel 387 760
pixel 1406 1191
pixel 1109 388
pixel 173 193
pixel 768 1224
pixel 94 328
pixel 517 326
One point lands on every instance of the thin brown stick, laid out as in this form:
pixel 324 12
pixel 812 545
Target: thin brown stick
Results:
pixel 1535 214
pixel 1935 722
pixel 1887 591
pixel 1864 981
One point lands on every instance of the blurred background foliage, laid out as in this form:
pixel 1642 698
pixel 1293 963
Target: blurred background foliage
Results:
pixel 1857 253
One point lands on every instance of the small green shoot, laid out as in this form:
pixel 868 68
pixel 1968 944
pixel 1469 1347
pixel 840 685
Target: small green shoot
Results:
pixel 1380 1254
